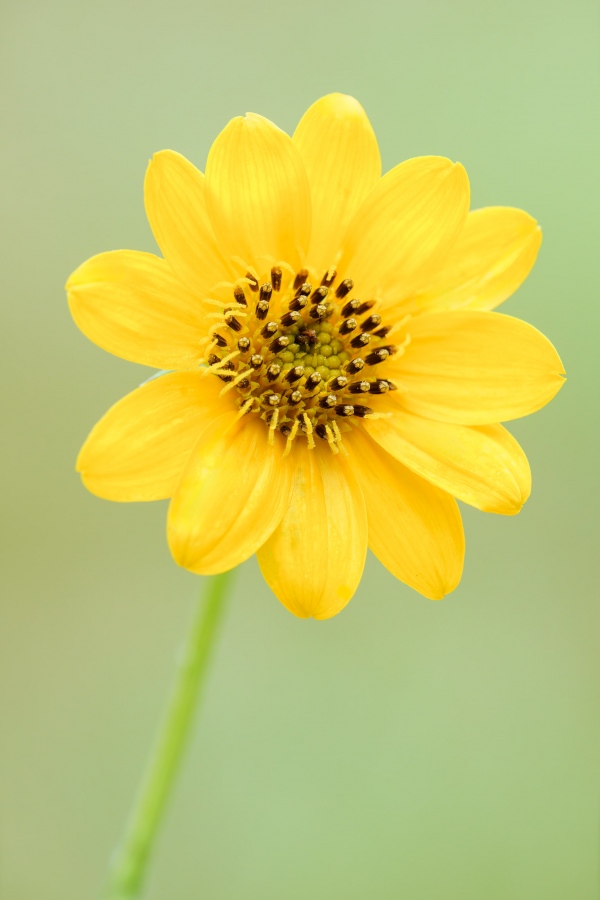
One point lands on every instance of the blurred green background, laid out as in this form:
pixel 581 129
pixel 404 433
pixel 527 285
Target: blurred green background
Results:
pixel 408 749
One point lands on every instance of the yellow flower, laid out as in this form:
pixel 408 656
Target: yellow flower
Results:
pixel 337 373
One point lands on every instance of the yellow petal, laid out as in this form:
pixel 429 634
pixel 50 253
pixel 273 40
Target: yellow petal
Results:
pixel 476 367
pixel 134 306
pixel 492 257
pixel 405 227
pixel 340 153
pixel 415 529
pixel 139 449
pixel 314 560
pixel 257 193
pixel 232 495
pixel 484 466
pixel 174 194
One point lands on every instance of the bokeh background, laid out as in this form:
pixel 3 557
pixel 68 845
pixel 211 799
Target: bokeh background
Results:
pixel 429 751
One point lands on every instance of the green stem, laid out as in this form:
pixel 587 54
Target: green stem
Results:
pixel 131 858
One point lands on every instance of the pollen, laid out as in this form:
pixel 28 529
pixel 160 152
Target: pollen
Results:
pixel 295 347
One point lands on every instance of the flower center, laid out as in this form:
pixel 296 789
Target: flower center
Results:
pixel 303 358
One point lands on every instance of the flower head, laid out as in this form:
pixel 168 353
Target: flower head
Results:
pixel 337 377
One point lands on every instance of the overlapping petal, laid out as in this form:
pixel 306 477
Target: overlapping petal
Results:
pixel 232 495
pixel 491 259
pixel 133 305
pixel 415 529
pixel 474 368
pixel 174 194
pixel 314 560
pixel 257 193
pixel 139 449
pixel 484 465
pixel 406 227
pixel 340 154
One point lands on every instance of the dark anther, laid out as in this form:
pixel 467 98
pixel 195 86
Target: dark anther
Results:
pixel 390 384
pixel 372 322
pixel 344 288
pixel 270 329
pixel 276 274
pixel 273 371
pixel 300 278
pixel 273 400
pixel 262 309
pixel 365 307
pixel 380 355
pixel 294 374
pixel 221 342
pixel 347 326
pixel 290 318
pixel 317 312
pixel 313 380
pixel 344 410
pixel 279 343
pixel 321 431
pixel 295 397
pixel 239 295
pixel 298 302
pixel 224 377
pixel 253 283
pixel 351 307
pixel 319 295
pixel 243 384
pixel 213 358
pixel 362 411
pixel 233 323
pixel 361 340
pixel 328 277
pixel 266 291
pixel 377 356
pixel 379 387
pixel 328 401
pixel 337 384
pixel 256 360
pixel 285 430
pixel 383 332
pixel 359 387
pixel 244 344
pixel 304 289
pixel 354 366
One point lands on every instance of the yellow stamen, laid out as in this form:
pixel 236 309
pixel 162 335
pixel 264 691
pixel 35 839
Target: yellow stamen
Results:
pixel 235 382
pixel 336 431
pixel 403 345
pixel 338 436
pixel 273 426
pixel 291 436
pixel 238 261
pixel 212 346
pixel 216 367
pixel 309 431
pixel 331 440
pixel 245 407
pixel 226 285
pixel 220 303
pixel 231 307
pixel 284 265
